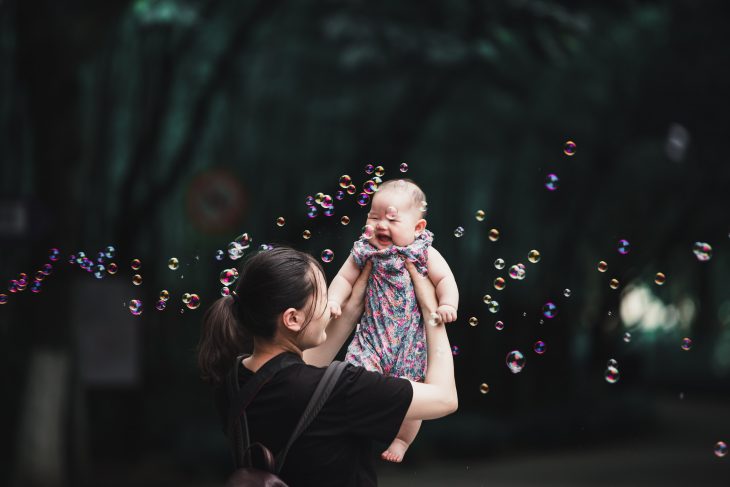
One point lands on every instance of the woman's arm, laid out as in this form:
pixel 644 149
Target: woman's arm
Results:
pixel 436 396
pixel 339 329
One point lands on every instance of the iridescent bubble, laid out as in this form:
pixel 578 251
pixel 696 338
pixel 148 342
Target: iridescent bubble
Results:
pixel 517 272
pixel 225 291
pixel 369 168
pixel 311 211
pixel 327 201
pixel 493 306
pixel 219 254
pixel 455 350
pixel 499 325
pixel 703 251
pixel 345 220
pixel 363 199
pixel 569 148
pixel 280 222
pixel 567 292
pixel 186 298
pixel 82 255
pixel 539 347
pixel 164 295
pixel 660 278
pixel 3 298
pixel 499 264
pixel 487 299
pixel 614 284
pixel 611 374
pixel 368 231
pixel 173 264
pixel 35 287
pixel 99 271
pixel 602 266
pixel 404 167
pixel 379 171
pixel 228 276
pixel 112 268
pixel 72 259
pixel 391 213
pixel 110 252
pixel 552 182
pixel 369 187
pixel 612 363
pixel 136 279
pixel 306 234
pixel 194 301
pixel 541 322
pixel 627 337
pixel 135 307
pixel 686 344
pixel 533 256
pixel 329 212
pixel 309 200
pixel 549 310
pixel 160 305
pixel 54 254
pixel 244 241
pixel 493 234
pixel 623 246
pixel 339 195
pixel 319 198
pixel 327 255
pixel 101 257
pixel 720 449
pixel 351 189
pixel 484 388
pixel 345 181
pixel 515 361
pixel 136 264
pixel 473 321
pixel 46 269
pixel 480 215
pixel 499 284
pixel 459 232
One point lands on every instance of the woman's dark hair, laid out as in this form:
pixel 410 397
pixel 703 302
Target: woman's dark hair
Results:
pixel 269 282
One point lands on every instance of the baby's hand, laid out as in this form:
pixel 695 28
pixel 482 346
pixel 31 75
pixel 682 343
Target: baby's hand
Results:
pixel 335 309
pixel 446 313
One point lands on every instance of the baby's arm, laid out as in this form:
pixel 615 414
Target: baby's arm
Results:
pixel 446 290
pixel 341 286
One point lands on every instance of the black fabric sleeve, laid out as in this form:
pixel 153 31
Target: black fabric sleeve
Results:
pixel 375 405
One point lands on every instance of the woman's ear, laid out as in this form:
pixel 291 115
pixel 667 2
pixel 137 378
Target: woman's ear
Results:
pixel 293 319
pixel 420 226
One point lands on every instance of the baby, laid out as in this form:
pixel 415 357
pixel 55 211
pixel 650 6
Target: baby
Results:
pixel 390 337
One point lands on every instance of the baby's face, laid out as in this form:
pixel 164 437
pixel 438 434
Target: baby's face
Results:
pixel 399 227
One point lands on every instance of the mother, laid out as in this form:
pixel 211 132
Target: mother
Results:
pixel 282 304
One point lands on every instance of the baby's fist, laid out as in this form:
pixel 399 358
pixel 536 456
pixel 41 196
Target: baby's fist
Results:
pixel 446 313
pixel 335 309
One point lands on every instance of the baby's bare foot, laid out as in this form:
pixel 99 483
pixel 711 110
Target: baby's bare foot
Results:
pixel 395 451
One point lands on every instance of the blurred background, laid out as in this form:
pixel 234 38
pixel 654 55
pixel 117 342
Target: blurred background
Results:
pixel 165 128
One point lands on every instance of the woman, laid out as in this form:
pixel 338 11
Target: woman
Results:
pixel 281 302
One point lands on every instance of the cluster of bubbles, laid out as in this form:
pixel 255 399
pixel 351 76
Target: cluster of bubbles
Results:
pixel 703 251
pixel 515 361
pixel 239 245
pixel 518 271
pixel 192 301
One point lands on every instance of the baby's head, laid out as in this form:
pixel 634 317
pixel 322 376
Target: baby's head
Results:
pixel 397 213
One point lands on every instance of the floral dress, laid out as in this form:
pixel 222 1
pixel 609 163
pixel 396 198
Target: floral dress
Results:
pixel 390 338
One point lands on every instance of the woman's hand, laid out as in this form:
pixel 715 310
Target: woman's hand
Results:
pixel 425 290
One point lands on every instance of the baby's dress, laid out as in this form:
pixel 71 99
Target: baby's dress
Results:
pixel 390 338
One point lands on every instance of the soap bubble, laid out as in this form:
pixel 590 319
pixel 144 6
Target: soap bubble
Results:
pixel 135 307
pixel 612 363
pixel 161 305
pixel 46 269
pixel 493 234
pixel 306 234
pixel 363 199
pixel 499 325
pixel 369 168
pixel 499 264
pixel 345 220
pixel 319 198
pixel 244 240
pixel 549 310
pixel 686 344
pixel 660 278
pixel 487 299
pixel 327 202
pixel 515 361
pixel 479 215
pixel 499 283
pixel 35 287
pixel 309 200
pixel 351 189
pixel 611 374
pixel 327 255
pixel 219 254
pixel 614 284
pixel 627 337
pixel 340 195
pixel 404 167
pixel 623 246
pixel 533 256
pixel 112 268
pixel 720 449
pixel 54 254
pixel 136 264
pixel 459 232
pixel 602 266
pixel 455 350
pixel 379 171
pixel 567 293
pixel 517 272
pixel 345 181
pixel 193 302
pixel 164 295
pixel 552 182
pixel 369 186
pixel 312 211
pixel 569 148
pixel 173 264
pixel 136 279
pixel 391 213
pixel 3 298
pixel 484 388
pixel 493 306
pixel 228 276
pixel 368 231
pixel 703 251
pixel 539 347
pixel 473 321
pixel 329 212
pixel 280 222
pixel 186 298
pixel 110 252
pixel 225 291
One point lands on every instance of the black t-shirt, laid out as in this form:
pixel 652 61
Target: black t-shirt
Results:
pixel 336 449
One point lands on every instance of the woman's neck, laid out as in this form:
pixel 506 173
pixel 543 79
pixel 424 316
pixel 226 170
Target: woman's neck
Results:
pixel 265 351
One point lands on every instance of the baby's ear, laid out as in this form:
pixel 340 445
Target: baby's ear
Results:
pixel 420 226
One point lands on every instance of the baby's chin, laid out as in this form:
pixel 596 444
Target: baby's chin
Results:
pixel 385 243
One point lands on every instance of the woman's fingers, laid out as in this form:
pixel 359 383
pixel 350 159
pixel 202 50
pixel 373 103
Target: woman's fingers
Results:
pixel 425 290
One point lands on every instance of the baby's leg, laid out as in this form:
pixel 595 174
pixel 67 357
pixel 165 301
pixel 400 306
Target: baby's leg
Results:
pixel 406 435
